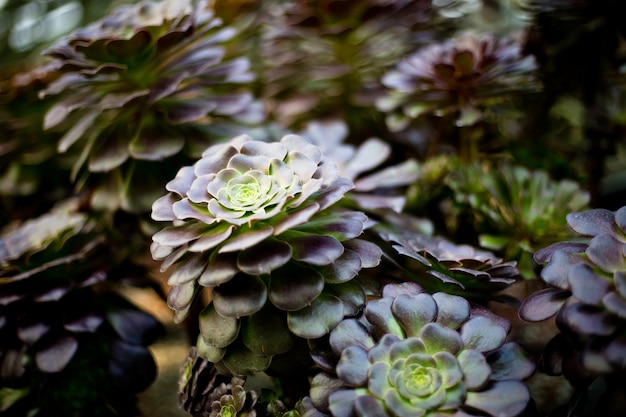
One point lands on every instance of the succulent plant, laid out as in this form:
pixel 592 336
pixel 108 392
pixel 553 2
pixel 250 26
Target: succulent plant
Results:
pixel 142 85
pixel 415 354
pixel 248 218
pixel 203 392
pixel 587 293
pixel 462 75
pixel 324 58
pixel 59 316
pixel 516 210
pixel 437 264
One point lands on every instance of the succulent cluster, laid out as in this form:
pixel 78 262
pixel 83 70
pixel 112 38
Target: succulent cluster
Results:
pixel 258 222
pixel 325 58
pixel 143 84
pixel 59 317
pixel 414 354
pixel 587 293
pixel 461 76
pixel 437 264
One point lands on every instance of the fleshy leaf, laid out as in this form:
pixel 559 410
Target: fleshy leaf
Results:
pixel 242 362
pixel 57 355
pixel 587 285
pixel 482 334
pixel 314 249
pixel 217 330
pixel 264 257
pixel 607 252
pixel 438 338
pixel 265 332
pixel 511 361
pixel 318 319
pixel 241 296
pixel 294 287
pixel 453 310
pixel 414 312
pixel 592 222
pixel 501 398
pixel 353 366
pixel 475 369
pixel 543 304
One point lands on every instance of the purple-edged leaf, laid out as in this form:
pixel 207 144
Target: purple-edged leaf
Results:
pixel 482 334
pixel 607 252
pixel 369 252
pixel 294 287
pixel 511 361
pixel 241 296
pixel 587 285
pixel 322 387
pixel 314 249
pixel 394 176
pixel 587 319
pixel 543 304
pixel 246 237
pixel 286 221
pixel 181 296
pixel 177 236
pixel 216 159
pixel 353 366
pixel 346 267
pixel 211 238
pixel 414 312
pixel 264 257
pixel 438 338
pixel 162 208
pixel 369 155
pixel 592 222
pixel 221 268
pixel 475 369
pixel 54 357
pixel 182 182
pixel 556 272
pixel 453 310
pixel 334 193
pixel 216 330
pixel 615 304
pixel 188 270
pixel 266 333
pixel 543 256
pixel 365 405
pixel 154 144
pixel 317 319
pixel 350 332
pixel 341 226
pixel 351 295
pixel 501 398
pixel 380 315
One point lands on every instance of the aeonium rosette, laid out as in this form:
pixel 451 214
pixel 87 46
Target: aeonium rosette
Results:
pixel 414 354
pixel 258 221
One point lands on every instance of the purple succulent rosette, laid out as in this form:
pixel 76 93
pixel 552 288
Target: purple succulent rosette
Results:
pixel 462 74
pixel 59 315
pixel 415 354
pixel 151 81
pixel 587 293
pixel 440 265
pixel 259 222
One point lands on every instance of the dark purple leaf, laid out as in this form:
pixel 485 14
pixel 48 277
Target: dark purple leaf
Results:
pixel 135 326
pixel 607 252
pixel 482 334
pixel 314 249
pixel 543 304
pixel 353 366
pixel 501 398
pixel 241 296
pixel 294 287
pixel 369 252
pixel 317 319
pixel 587 319
pixel 32 333
pixel 346 267
pixel 221 268
pixel 592 222
pixel 241 361
pixel 155 144
pixel 414 312
pixel 264 257
pixel 543 256
pixel 511 361
pixel 87 322
pixel 380 315
pixel 615 304
pixel 342 226
pixel 556 272
pixel 112 153
pixel 190 110
pixel 350 332
pixel 587 285
pixel 351 295
pixel 217 330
